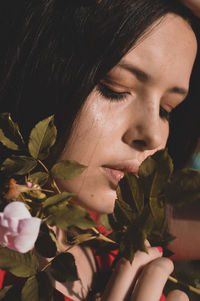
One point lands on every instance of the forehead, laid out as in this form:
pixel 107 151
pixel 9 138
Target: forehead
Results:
pixel 170 43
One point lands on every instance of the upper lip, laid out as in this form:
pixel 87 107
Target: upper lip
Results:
pixel 129 166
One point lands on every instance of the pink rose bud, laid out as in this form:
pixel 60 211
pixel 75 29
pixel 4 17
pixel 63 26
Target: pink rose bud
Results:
pixel 18 229
pixel 29 184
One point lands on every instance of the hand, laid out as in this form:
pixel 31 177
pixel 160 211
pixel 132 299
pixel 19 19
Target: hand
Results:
pixel 194 5
pixel 143 280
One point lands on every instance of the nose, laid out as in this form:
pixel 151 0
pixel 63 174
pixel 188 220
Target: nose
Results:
pixel 146 129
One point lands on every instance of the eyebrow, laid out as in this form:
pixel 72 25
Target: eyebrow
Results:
pixel 144 77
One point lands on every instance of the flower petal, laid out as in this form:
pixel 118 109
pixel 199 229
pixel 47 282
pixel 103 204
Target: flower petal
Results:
pixel 12 224
pixel 28 230
pixel 3 221
pixel 16 209
pixel 18 229
pixel 3 235
pixel 22 243
pixel 29 225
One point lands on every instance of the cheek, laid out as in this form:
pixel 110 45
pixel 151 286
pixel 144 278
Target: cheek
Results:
pixel 90 131
pixel 165 133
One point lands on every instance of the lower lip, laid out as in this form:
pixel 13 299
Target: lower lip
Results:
pixel 114 175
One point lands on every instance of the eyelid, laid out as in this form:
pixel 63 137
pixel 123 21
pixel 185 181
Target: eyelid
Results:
pixel 111 86
pixel 114 96
pixel 110 94
pixel 164 114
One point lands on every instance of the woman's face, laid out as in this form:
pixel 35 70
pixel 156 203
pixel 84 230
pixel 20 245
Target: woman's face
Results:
pixel 125 118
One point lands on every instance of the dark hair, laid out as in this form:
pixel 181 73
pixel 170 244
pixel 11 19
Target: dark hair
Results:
pixel 54 52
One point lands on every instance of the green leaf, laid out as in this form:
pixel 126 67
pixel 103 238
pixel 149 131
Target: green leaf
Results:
pixel 153 202
pixel 45 287
pixel 107 247
pixel 163 172
pixel 42 138
pixel 104 220
pixel 67 169
pixel 130 194
pixel 136 191
pixel 20 265
pixel 63 268
pixel 10 135
pixel 147 167
pixel 134 240
pixel 123 213
pixel 18 165
pixel 134 234
pixel 4 291
pixel 44 244
pixel 130 200
pixel 68 216
pixel 60 198
pixel 161 238
pixel 7 142
pixel 146 221
pixel 39 178
pixel 115 225
pixel 146 174
pixel 139 212
pixel 154 173
pixel 11 292
pixel 30 290
pixel 184 187
pixel 38 288
pixel 158 211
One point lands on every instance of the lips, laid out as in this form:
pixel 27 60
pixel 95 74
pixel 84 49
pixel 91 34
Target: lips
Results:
pixel 115 172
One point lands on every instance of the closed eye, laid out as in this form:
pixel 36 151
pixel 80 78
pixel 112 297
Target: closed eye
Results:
pixel 164 114
pixel 110 94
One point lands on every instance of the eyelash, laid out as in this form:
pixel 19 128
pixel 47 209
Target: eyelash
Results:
pixel 165 114
pixel 108 93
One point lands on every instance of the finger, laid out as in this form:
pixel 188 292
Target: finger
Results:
pixel 177 295
pixel 125 274
pixel 147 244
pixel 151 282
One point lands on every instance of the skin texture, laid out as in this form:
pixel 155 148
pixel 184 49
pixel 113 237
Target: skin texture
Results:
pixel 109 132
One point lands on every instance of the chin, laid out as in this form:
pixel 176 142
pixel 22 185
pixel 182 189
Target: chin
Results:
pixel 100 203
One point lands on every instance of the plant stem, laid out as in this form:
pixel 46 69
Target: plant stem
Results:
pixel 54 185
pixel 47 190
pixel 191 288
pixel 103 237
pixel 42 164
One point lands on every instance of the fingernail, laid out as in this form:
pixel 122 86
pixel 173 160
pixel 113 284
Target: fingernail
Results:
pixel 160 249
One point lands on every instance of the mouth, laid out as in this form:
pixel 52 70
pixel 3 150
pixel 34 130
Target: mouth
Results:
pixel 114 175
pixel 116 172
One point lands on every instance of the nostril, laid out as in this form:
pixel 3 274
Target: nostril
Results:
pixel 139 143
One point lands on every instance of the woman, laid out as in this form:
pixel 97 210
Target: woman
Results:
pixel 111 72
